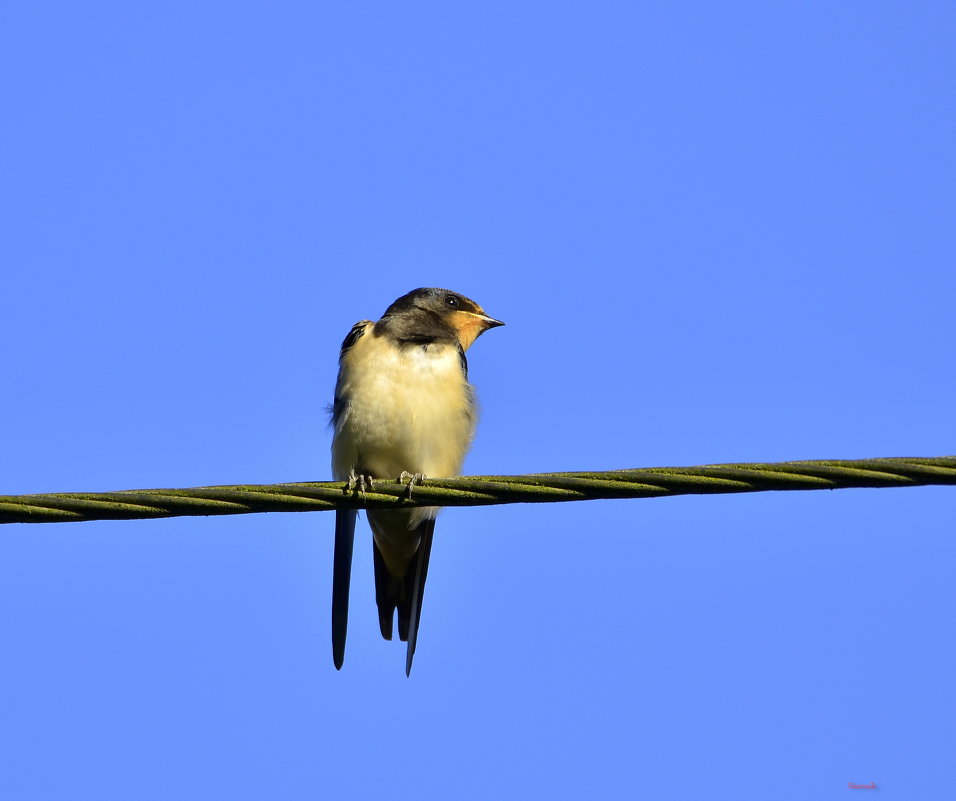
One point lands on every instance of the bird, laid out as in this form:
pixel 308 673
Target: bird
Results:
pixel 403 410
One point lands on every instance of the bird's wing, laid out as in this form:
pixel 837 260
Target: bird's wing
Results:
pixel 339 402
pixel 344 519
pixel 341 578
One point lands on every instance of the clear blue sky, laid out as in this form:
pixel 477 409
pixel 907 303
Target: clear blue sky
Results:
pixel 717 232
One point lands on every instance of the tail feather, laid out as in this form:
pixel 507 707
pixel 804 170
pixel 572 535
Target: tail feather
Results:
pixel 418 592
pixel 387 591
pixel 404 594
pixel 341 579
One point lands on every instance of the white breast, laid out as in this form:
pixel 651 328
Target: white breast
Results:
pixel 409 409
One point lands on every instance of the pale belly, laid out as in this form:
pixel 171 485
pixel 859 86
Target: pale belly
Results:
pixel 410 410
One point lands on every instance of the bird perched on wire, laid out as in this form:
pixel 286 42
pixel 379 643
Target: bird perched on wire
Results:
pixel 403 410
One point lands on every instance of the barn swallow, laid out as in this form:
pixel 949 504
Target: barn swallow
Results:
pixel 403 410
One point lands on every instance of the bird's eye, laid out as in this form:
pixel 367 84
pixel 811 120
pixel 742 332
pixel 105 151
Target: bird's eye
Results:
pixel 451 300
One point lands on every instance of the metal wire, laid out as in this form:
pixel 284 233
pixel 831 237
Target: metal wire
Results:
pixel 62 507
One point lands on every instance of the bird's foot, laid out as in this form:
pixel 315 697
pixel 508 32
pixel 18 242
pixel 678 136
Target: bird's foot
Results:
pixel 359 482
pixel 410 480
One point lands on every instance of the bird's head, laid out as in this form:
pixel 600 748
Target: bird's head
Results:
pixel 462 315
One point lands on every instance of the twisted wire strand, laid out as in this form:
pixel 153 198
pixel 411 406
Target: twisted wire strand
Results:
pixel 479 490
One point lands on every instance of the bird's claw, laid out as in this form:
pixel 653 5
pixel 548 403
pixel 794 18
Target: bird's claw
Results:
pixel 359 482
pixel 410 480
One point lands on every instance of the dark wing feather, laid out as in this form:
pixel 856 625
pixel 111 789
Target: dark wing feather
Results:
pixel 338 403
pixel 341 578
pixel 353 336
